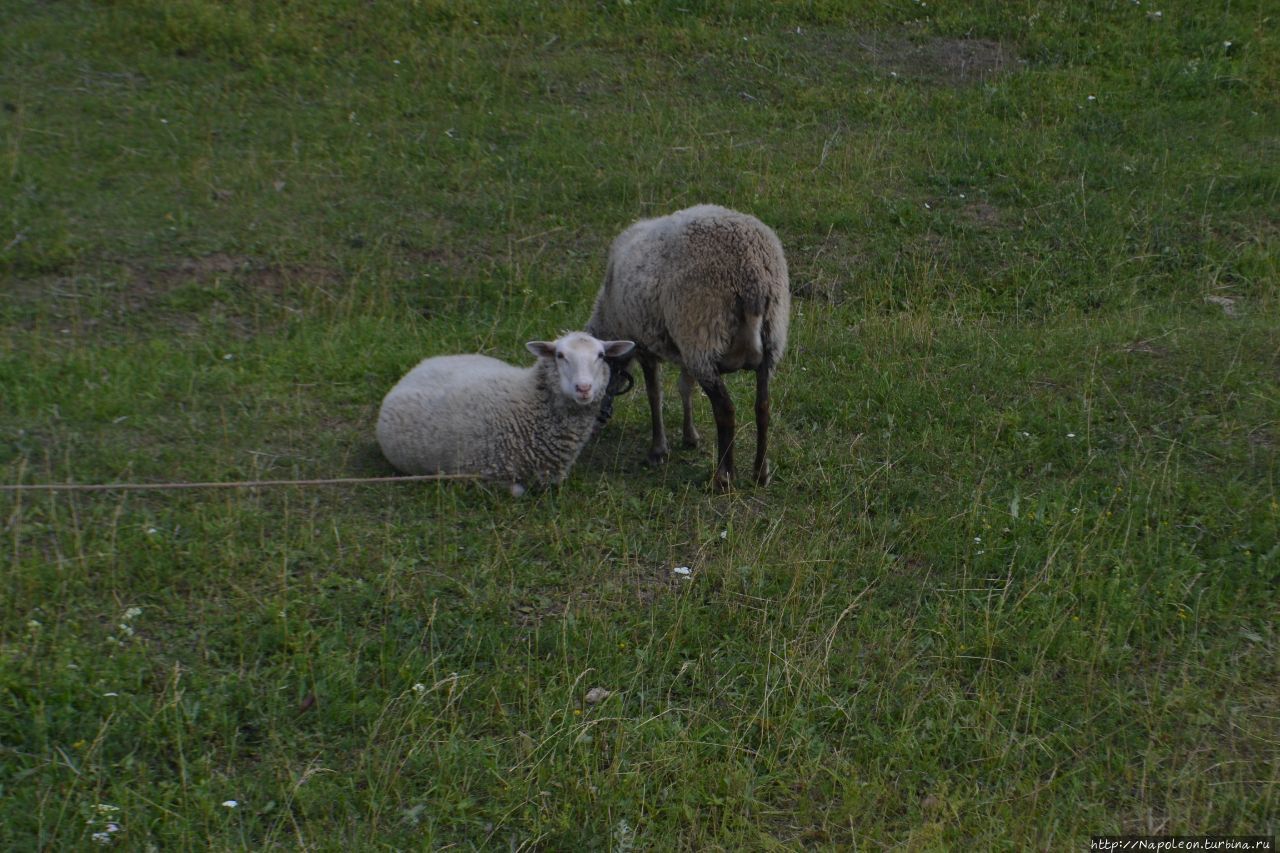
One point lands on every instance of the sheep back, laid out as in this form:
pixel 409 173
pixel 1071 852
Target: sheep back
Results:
pixel 683 286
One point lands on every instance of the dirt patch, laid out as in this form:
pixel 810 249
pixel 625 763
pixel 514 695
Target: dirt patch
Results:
pixel 821 272
pixel 981 213
pixel 954 61
pixel 1148 348
pixel 532 611
pixel 1261 437
pixel 259 275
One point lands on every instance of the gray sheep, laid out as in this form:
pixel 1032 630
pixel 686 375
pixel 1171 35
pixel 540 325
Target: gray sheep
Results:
pixel 705 288
pixel 471 414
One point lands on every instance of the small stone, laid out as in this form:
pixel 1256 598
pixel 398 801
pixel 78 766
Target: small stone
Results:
pixel 596 695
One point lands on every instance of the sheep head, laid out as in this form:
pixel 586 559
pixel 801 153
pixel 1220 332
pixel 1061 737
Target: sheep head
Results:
pixel 580 365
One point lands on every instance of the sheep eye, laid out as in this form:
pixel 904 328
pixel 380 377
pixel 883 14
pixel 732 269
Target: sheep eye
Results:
pixel 560 356
pixel 599 356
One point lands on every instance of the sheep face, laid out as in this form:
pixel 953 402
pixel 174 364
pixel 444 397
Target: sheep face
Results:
pixel 580 364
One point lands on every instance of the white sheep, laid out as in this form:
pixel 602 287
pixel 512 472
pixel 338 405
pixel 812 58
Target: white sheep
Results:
pixel 471 414
pixel 705 288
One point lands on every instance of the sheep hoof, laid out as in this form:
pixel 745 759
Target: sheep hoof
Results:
pixel 721 481
pixel 763 474
pixel 692 439
pixel 658 456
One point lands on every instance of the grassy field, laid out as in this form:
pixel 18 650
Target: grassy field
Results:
pixel 1016 580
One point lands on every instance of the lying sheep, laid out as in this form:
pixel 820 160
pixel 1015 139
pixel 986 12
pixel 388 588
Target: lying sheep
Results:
pixel 707 289
pixel 471 414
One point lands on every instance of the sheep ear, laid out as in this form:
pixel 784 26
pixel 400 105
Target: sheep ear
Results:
pixel 614 349
pixel 542 349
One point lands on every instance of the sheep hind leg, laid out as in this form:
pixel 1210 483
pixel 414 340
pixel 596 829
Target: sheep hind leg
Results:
pixel 762 473
pixel 659 452
pixel 722 406
pixel 690 432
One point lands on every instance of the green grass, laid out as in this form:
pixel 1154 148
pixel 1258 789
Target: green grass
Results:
pixel 1015 582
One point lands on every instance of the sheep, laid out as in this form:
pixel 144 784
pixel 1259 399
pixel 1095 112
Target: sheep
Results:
pixel 471 414
pixel 705 288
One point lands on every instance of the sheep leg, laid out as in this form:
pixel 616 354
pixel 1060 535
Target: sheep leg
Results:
pixel 722 405
pixel 762 425
pixel 691 437
pixel 658 450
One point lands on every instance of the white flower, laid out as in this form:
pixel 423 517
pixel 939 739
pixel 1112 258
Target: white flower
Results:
pixel 683 571
pixel 101 838
pixel 724 534
pixel 1071 435
pixel 229 804
pixel 1092 98
pixel 977 539
pixel 419 688
pixel 151 531
pixel 105 808
pixel 132 613
pixel 33 624
pixel 228 357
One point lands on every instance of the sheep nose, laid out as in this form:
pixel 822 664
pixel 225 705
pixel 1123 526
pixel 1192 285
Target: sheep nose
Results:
pixel 583 389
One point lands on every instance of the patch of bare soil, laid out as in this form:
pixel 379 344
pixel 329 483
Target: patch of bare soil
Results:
pixel 259 275
pixel 954 61
pixel 981 213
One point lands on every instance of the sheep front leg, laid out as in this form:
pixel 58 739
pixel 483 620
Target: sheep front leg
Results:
pixel 722 405
pixel 762 424
pixel 658 450
pixel 690 432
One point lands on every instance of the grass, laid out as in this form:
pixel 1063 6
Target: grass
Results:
pixel 1015 582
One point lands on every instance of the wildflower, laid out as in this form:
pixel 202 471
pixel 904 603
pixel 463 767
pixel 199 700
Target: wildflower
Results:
pixel 101 838
pixel 229 804
pixel 1092 98
pixel 132 613
pixel 1071 435
pixel 683 571
pixel 420 688
pixel 33 625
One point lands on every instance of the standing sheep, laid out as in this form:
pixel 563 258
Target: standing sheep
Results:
pixel 471 414
pixel 705 288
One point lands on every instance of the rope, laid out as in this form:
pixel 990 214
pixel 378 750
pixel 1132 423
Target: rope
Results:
pixel 237 484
